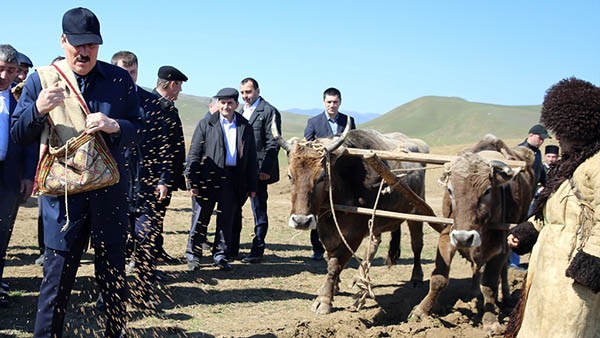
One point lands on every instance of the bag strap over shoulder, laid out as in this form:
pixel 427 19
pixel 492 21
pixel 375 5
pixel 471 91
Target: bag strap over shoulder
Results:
pixel 68 119
pixel 74 89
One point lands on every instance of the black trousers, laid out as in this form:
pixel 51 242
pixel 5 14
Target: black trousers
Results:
pixel 261 219
pixel 60 268
pixel 201 213
pixel 144 234
pixel 161 210
pixel 229 220
pixel 40 224
pixel 9 205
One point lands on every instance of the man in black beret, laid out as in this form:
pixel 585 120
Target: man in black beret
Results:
pixel 221 169
pixel 168 87
pixel 24 64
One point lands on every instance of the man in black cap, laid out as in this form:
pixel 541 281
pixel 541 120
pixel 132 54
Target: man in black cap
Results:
pixel 69 221
pixel 535 139
pixel 221 169
pixel 168 87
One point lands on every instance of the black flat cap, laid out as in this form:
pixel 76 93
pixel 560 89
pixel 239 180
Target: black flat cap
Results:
pixel 540 130
pixel 171 73
pixel 22 59
pixel 81 27
pixel 551 149
pixel 228 93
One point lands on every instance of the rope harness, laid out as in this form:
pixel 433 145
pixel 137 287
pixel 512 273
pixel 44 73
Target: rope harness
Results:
pixel 362 280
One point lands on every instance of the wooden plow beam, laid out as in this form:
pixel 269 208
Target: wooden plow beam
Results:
pixel 396 215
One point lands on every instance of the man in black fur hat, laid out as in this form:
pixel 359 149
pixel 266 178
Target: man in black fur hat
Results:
pixel 561 296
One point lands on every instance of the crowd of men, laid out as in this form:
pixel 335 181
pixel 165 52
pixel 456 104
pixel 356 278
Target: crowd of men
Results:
pixel 232 157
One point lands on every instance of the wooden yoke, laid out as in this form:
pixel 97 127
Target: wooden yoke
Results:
pixel 415 200
pixel 416 157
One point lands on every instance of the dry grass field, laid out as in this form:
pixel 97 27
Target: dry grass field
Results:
pixel 271 299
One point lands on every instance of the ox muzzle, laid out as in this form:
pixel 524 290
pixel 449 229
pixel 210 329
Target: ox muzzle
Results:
pixel 303 222
pixel 465 238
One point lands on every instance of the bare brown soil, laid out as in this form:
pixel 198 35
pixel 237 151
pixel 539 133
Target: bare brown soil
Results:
pixel 271 299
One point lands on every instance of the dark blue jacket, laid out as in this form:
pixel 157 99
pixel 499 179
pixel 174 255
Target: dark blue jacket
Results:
pixel 538 165
pixel 20 162
pixel 112 92
pixel 318 126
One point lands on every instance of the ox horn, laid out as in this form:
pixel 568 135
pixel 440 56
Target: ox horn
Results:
pixel 338 141
pixel 280 140
pixel 501 167
pixel 506 172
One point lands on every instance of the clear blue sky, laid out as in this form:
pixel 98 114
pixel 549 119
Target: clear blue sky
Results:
pixel 380 54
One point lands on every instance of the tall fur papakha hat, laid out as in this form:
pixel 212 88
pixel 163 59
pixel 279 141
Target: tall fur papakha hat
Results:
pixel 571 109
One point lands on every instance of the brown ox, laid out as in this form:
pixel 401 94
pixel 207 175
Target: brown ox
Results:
pixel 352 183
pixel 483 196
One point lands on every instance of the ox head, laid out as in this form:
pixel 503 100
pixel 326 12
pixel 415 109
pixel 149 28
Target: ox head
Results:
pixel 308 175
pixel 473 196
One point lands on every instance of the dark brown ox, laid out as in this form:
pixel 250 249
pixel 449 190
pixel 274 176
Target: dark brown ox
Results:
pixel 483 196
pixel 352 183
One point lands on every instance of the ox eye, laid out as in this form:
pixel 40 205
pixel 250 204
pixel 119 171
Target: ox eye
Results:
pixel 291 178
pixel 321 178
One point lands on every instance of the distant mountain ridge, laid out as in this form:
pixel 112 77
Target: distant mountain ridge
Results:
pixel 437 120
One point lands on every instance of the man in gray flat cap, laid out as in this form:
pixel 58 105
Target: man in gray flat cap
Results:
pixel 221 169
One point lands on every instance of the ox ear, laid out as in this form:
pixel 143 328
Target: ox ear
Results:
pixel 502 173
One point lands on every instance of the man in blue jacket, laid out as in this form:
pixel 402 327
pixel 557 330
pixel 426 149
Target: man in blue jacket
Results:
pixel 327 124
pixel 17 163
pixel 101 214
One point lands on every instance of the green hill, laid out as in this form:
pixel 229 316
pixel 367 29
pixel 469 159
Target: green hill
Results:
pixel 451 120
pixel 435 119
pixel 193 108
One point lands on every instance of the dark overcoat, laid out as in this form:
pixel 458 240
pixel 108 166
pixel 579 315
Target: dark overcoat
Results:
pixel 206 158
